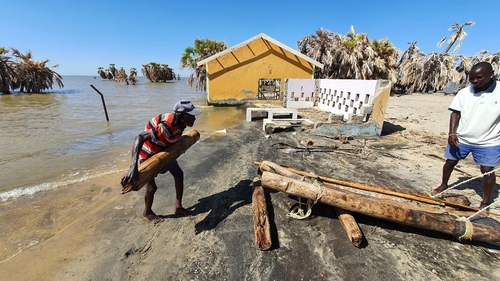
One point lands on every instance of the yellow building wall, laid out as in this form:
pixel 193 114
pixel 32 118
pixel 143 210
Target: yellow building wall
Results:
pixel 382 92
pixel 233 77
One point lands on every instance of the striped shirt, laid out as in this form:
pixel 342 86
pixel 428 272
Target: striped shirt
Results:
pixel 165 130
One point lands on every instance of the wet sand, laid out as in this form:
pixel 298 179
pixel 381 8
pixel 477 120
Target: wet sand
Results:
pixel 89 231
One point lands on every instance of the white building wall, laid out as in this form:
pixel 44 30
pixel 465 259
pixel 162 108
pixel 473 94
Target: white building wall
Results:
pixel 299 93
pixel 346 96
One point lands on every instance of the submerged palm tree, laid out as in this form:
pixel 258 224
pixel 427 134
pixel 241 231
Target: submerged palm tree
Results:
pixel 112 69
pixel 33 76
pixel 132 77
pixel 156 72
pixel 203 48
pixel 458 35
pixel 102 73
pixel 121 76
pixel 6 71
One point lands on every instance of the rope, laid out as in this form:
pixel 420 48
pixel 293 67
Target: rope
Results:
pixel 469 230
pixel 298 212
pixel 435 196
pixel 469 227
pixel 483 209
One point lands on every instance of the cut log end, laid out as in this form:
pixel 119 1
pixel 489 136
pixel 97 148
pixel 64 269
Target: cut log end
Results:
pixel 350 226
pixel 129 187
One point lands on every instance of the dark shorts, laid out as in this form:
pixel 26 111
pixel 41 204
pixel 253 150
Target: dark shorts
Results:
pixel 166 169
pixel 488 156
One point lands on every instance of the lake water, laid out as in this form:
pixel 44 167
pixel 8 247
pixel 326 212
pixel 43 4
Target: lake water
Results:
pixel 61 137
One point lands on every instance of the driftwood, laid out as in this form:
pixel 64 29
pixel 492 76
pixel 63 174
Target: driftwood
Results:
pixel 153 165
pixel 407 194
pixel 261 228
pixel 287 148
pixel 275 168
pixel 350 226
pixel 481 229
pixel 346 219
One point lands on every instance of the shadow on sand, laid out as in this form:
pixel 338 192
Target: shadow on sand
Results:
pixel 221 205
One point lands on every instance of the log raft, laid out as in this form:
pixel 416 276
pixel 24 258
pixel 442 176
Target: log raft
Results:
pixel 407 194
pixel 483 229
pixel 154 164
pixel 346 219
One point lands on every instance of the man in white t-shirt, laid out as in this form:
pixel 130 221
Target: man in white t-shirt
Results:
pixel 475 128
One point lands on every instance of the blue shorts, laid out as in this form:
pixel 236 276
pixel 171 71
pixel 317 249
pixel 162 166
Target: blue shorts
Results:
pixel 166 169
pixel 488 156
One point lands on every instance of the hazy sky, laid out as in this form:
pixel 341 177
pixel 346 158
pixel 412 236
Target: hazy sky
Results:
pixel 82 35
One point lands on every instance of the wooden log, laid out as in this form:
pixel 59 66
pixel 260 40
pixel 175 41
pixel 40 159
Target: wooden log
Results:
pixel 154 164
pixel 483 229
pixel 346 219
pixel 261 227
pixel 417 196
pixel 277 169
pixel 350 226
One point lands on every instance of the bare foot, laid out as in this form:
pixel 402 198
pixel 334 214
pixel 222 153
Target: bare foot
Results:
pixel 484 205
pixel 182 212
pixel 153 218
pixel 439 189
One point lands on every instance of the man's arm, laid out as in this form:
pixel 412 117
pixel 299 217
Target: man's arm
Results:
pixel 133 172
pixel 452 134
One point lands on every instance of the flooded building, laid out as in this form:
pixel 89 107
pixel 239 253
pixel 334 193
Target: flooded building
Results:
pixel 261 62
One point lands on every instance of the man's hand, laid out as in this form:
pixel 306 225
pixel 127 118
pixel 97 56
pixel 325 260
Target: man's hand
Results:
pixel 453 140
pixel 133 173
pixel 131 176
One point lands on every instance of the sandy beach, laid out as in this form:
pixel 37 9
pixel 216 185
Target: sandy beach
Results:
pixel 90 231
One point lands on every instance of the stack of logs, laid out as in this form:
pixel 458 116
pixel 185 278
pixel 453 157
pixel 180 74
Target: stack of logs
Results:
pixel 408 207
pixel 261 219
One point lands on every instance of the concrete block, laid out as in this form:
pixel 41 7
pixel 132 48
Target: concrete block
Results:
pixel 271 111
pixel 336 118
pixel 357 119
pixel 366 109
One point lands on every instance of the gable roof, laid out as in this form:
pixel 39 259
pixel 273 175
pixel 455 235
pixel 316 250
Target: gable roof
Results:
pixel 267 38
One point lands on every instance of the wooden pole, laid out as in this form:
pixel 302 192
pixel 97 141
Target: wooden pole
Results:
pixel 346 219
pixel 391 210
pixel 154 164
pixel 261 227
pixel 103 102
pixel 420 198
pixel 277 169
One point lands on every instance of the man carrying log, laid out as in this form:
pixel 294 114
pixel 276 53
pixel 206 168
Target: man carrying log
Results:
pixel 162 131
pixel 474 128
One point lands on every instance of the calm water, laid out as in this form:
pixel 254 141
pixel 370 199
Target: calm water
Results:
pixel 54 139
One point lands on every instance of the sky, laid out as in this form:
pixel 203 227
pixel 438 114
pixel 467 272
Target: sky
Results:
pixel 80 36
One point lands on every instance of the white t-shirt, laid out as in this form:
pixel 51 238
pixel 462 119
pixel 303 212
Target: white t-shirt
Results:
pixel 479 116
